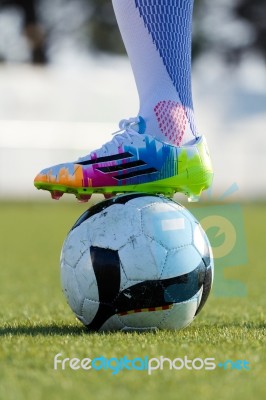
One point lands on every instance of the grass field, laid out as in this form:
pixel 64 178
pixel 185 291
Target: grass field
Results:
pixel 36 322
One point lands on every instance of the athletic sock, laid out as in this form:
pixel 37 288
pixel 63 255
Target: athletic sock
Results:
pixel 157 36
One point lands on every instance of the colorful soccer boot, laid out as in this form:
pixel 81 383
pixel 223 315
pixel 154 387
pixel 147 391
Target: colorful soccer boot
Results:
pixel 132 161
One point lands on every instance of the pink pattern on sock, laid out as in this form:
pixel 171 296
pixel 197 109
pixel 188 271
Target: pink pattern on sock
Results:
pixel 172 120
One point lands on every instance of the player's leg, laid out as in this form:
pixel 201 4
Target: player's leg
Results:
pixel 31 27
pixel 159 151
pixel 157 37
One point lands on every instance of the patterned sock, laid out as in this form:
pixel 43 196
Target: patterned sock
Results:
pixel 157 37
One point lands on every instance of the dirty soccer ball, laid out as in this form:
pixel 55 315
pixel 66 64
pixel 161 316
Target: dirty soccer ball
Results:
pixel 136 262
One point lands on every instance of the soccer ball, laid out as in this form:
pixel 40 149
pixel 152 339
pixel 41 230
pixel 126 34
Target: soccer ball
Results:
pixel 136 262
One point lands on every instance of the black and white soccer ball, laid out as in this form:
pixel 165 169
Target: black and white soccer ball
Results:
pixel 136 262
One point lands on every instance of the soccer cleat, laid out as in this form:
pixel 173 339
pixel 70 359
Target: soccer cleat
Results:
pixel 83 198
pixel 132 161
pixel 56 194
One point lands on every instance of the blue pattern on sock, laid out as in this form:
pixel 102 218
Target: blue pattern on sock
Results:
pixel 169 24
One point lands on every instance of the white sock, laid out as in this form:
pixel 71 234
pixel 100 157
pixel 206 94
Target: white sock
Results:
pixel 157 36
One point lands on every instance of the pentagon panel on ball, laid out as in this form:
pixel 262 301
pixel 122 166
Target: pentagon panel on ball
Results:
pixel 136 262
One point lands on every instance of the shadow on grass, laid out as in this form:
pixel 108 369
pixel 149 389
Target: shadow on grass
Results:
pixel 65 330
pixel 68 330
pixel 43 330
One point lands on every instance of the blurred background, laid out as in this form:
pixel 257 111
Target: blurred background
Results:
pixel 65 82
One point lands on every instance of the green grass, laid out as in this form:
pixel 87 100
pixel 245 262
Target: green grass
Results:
pixel 36 323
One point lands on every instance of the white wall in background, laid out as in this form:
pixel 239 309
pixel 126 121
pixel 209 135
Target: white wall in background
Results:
pixel 56 114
